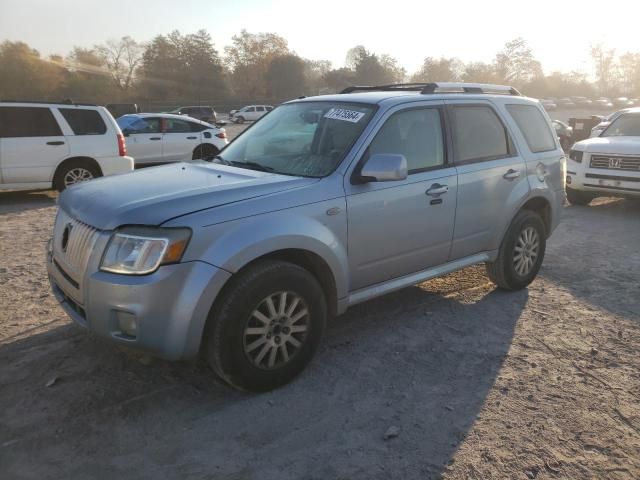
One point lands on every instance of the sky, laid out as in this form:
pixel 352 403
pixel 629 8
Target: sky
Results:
pixel 559 32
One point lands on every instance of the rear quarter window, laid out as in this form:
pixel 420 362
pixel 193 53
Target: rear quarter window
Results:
pixel 84 122
pixel 534 127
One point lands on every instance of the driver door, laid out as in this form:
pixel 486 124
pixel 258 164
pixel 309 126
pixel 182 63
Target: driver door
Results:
pixel 401 227
pixel 144 140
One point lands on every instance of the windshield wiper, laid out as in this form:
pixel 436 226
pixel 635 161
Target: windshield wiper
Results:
pixel 251 166
pixel 221 160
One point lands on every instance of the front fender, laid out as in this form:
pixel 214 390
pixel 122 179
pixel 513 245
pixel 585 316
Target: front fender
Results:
pixel 232 245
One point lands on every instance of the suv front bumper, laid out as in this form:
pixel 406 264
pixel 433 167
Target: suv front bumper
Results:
pixel 168 307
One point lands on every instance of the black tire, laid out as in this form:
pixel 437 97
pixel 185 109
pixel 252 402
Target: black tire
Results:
pixel 503 272
pixel 68 167
pixel 576 197
pixel 204 151
pixel 226 340
pixel 239 119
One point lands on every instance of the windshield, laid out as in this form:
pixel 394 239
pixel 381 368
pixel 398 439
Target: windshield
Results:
pixel 307 139
pixel 627 125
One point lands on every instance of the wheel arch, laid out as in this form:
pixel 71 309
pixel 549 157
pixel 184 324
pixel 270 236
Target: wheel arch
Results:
pixel 542 207
pixel 66 161
pixel 205 145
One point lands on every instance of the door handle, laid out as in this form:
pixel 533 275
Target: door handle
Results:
pixel 192 138
pixel 436 190
pixel 55 143
pixel 511 174
pixel 155 138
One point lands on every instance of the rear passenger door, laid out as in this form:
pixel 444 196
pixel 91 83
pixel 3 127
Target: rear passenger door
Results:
pixel 180 138
pixel 401 227
pixel 31 144
pixel 491 176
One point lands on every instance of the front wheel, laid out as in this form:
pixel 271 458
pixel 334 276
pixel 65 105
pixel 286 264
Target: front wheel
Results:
pixel 239 120
pixel 266 327
pixel 521 252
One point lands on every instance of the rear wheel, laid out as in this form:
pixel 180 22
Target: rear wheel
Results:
pixel 576 197
pixel 204 151
pixel 521 252
pixel 240 119
pixel 266 327
pixel 74 172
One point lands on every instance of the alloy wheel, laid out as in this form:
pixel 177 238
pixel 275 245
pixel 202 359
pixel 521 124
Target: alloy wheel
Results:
pixel 77 175
pixel 276 330
pixel 526 251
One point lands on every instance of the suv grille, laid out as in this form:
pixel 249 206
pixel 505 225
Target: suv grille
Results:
pixel 610 162
pixel 73 242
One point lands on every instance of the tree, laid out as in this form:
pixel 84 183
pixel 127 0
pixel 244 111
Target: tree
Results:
pixel 121 58
pixel 338 79
pixel 25 75
pixel 315 71
pixel 248 59
pixel 439 70
pixel 370 69
pixel 604 63
pixel 515 64
pixel 182 67
pixel 630 73
pixel 286 77
pixel 479 72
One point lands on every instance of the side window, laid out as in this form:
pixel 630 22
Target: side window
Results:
pixel 479 134
pixel 416 134
pixel 28 122
pixel 84 122
pixel 144 125
pixel 178 126
pixel 269 109
pixel 251 109
pixel 534 127
pixel 260 109
pixel 196 127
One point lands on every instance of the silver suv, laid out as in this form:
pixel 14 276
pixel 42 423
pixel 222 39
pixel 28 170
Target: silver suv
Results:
pixel 324 203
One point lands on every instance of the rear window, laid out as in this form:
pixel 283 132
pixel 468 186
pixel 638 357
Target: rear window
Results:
pixel 28 122
pixel 479 134
pixel 84 122
pixel 534 127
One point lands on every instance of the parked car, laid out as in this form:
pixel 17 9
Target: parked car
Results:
pixel 154 138
pixel 249 113
pixel 204 113
pixel 603 104
pixel 548 105
pixel 244 259
pixel 119 109
pixel 565 103
pixel 50 145
pixel 564 133
pixel 606 121
pixel 582 102
pixel 622 102
pixel 609 165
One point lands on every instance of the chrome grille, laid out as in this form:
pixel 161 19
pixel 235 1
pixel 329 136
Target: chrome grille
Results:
pixel 610 162
pixel 72 252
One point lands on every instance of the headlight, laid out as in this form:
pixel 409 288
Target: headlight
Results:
pixel 141 250
pixel 576 155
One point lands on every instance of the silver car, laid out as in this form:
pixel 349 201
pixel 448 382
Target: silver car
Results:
pixel 324 203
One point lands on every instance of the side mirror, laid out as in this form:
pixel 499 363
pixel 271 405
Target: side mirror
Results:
pixel 384 167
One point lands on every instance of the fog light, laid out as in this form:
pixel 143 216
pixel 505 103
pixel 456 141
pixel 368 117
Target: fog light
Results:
pixel 568 180
pixel 128 324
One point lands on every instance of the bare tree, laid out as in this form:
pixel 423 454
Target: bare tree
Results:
pixel 604 64
pixel 121 58
pixel 516 64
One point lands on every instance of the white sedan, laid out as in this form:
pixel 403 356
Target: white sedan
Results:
pixel 154 138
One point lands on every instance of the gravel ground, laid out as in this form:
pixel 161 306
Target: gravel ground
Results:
pixel 450 378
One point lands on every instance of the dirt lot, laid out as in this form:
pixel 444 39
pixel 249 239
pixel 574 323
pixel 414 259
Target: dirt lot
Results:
pixel 477 383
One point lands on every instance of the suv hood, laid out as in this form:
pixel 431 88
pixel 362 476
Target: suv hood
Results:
pixel 610 145
pixel 152 196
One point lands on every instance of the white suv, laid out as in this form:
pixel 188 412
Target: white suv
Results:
pixel 607 165
pixel 45 145
pixel 249 113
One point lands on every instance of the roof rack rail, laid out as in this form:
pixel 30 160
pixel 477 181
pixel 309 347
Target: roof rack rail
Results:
pixel 47 102
pixel 440 87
